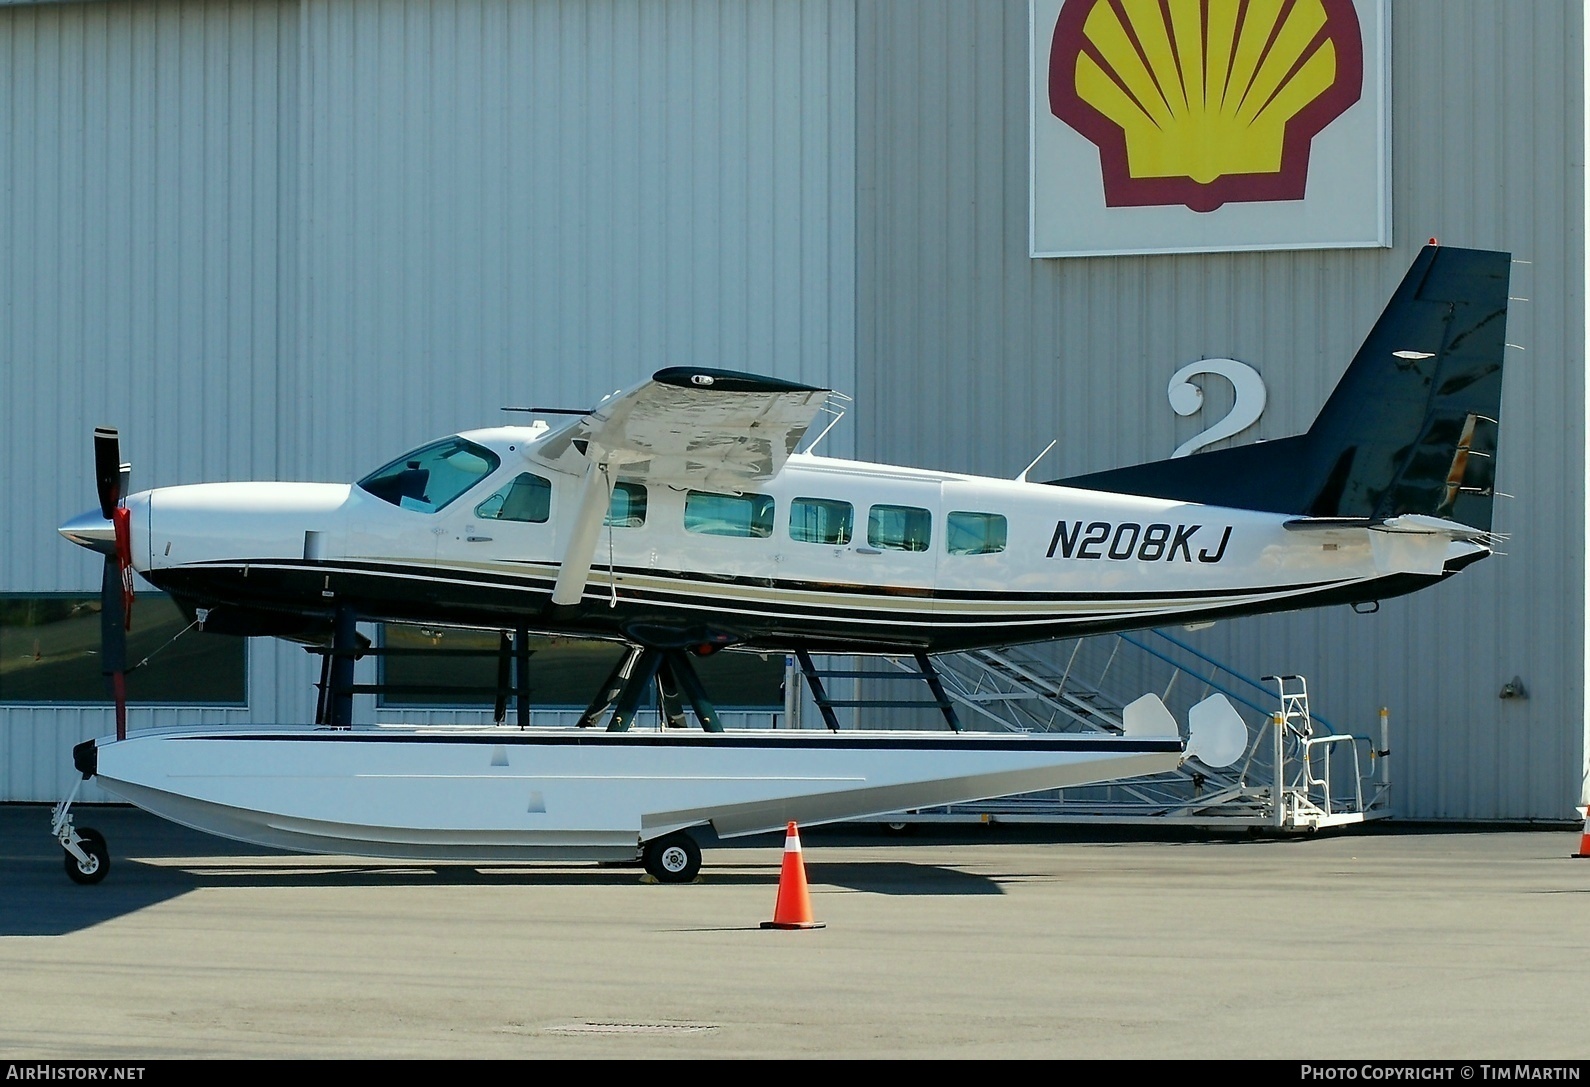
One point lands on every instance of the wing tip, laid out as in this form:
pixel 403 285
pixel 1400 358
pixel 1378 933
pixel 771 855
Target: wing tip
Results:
pixel 730 381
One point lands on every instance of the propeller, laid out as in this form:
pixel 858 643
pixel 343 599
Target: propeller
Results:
pixel 107 469
pixel 116 585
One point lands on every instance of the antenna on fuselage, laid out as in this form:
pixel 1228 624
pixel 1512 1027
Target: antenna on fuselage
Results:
pixel 1022 478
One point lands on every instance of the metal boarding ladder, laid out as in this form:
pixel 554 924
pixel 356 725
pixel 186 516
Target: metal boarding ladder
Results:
pixel 1309 792
pixel 1297 773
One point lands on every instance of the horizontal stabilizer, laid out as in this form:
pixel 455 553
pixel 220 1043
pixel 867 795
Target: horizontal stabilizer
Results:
pixel 1421 524
pixel 1407 523
pixel 1326 524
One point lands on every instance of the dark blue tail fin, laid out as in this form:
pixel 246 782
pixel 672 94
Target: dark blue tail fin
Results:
pixel 1410 428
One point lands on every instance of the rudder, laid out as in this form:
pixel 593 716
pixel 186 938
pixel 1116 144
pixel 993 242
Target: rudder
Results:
pixel 1410 428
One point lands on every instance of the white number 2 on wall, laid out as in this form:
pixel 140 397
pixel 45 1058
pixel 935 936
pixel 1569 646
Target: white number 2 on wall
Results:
pixel 1186 398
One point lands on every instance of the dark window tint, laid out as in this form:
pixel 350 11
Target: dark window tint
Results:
pixel 821 520
pixel 628 507
pixel 899 528
pixel 975 533
pixel 729 514
pixel 431 476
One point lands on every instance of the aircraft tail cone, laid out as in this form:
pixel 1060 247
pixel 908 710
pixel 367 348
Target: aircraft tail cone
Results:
pixel 794 906
pixel 1584 837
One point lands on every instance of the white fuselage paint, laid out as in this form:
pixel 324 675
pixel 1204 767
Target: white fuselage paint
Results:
pixel 1071 556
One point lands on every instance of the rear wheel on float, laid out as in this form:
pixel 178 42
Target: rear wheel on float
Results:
pixel 673 858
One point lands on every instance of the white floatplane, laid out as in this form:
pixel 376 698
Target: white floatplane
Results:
pixel 678 518
pixel 505 794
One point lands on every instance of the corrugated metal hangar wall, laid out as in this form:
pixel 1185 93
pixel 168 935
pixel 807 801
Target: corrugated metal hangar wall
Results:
pixel 290 239
pixel 998 354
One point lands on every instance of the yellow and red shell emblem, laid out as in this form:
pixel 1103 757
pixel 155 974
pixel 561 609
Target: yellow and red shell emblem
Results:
pixel 1202 102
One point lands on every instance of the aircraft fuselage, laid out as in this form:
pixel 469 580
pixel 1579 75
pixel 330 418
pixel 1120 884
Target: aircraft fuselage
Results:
pixel 829 555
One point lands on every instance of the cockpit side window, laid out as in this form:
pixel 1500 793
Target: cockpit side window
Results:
pixel 527 497
pixel 431 476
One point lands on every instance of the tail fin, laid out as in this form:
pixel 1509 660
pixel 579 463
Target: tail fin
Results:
pixel 1410 428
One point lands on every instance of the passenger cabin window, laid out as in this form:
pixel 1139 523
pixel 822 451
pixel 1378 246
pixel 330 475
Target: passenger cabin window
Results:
pixel 746 515
pixel 899 528
pixel 527 497
pixel 975 533
pixel 628 507
pixel 821 520
pixel 432 476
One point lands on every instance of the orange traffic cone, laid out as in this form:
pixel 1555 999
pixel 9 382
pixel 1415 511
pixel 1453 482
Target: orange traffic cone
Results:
pixel 1584 837
pixel 794 906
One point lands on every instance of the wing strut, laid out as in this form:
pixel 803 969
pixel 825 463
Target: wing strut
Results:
pixel 686 427
pixel 596 493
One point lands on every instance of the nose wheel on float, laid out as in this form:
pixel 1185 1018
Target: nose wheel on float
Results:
pixel 87 857
pixel 93 865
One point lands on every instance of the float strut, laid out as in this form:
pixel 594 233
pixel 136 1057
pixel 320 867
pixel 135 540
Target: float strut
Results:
pixel 345 651
pixel 690 685
pixel 635 688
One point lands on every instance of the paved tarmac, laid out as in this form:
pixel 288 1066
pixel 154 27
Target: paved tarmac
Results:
pixel 1376 942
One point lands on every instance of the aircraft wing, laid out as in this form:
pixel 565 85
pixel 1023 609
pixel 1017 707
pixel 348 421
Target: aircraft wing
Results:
pixel 708 429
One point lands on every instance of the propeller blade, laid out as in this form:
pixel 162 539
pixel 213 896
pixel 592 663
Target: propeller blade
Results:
pixel 107 469
pixel 113 617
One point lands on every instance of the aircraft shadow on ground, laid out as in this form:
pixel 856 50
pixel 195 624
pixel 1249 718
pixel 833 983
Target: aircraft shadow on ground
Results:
pixel 39 900
pixel 154 862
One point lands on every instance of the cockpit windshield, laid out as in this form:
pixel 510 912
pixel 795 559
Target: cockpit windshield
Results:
pixel 433 475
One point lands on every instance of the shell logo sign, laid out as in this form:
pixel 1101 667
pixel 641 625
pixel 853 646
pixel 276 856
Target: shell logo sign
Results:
pixel 1264 119
pixel 1202 102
